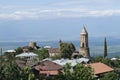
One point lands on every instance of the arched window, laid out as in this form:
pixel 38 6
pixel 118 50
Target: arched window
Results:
pixel 82 44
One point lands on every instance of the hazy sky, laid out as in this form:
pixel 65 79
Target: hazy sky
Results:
pixel 38 20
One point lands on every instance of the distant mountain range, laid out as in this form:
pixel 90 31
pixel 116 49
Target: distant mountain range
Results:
pixel 96 45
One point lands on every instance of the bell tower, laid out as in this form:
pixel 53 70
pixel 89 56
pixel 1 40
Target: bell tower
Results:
pixel 84 47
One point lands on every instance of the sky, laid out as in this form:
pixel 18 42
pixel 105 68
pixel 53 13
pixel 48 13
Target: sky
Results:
pixel 44 20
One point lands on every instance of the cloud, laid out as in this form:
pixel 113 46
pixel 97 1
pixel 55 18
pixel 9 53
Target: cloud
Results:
pixel 58 13
pixel 105 13
pixel 61 9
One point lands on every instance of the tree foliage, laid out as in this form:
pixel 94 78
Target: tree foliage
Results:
pixel 105 48
pixel 67 49
pixel 27 74
pixel 9 70
pixel 110 76
pixel 78 72
pixel 56 57
pixel 82 72
pixel 42 53
pixel 19 50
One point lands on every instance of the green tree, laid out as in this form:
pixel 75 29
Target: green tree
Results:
pixel 19 50
pixel 9 70
pixel 110 76
pixel 67 49
pixel 115 63
pixel 42 53
pixel 105 48
pixel 67 72
pixel 82 72
pixel 27 74
pixel 78 72
pixel 9 55
pixel 56 57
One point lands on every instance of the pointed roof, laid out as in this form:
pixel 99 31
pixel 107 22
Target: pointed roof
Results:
pixel 84 31
pixel 48 66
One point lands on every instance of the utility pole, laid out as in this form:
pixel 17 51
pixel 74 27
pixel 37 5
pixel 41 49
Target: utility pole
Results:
pixel 1 51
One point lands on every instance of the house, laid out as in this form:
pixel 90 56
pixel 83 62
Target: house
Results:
pixel 53 51
pixel 100 68
pixel 48 68
pixel 27 59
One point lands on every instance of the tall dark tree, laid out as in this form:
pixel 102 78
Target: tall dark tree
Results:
pixel 105 48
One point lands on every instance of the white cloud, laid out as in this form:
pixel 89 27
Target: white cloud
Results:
pixel 105 13
pixel 68 8
pixel 57 13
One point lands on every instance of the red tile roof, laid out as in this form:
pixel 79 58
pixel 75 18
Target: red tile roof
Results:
pixel 48 68
pixel 48 65
pixel 100 68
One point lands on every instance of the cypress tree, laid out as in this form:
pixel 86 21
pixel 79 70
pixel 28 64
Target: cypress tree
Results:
pixel 105 48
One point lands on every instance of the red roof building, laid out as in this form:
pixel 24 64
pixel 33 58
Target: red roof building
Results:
pixel 48 68
pixel 53 51
pixel 100 68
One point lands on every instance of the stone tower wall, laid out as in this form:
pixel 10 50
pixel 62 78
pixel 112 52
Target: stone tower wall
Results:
pixel 84 48
pixel 84 52
pixel 32 44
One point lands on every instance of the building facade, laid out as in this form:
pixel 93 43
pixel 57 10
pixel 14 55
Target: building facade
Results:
pixel 84 47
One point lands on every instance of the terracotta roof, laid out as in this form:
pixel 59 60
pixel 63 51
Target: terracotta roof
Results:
pixel 53 50
pixel 47 66
pixel 100 68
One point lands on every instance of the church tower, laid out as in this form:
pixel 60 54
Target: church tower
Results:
pixel 84 48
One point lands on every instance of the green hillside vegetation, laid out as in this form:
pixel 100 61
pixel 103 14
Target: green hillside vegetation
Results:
pixel 9 67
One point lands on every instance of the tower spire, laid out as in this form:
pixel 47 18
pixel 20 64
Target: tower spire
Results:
pixel 84 31
pixel 84 48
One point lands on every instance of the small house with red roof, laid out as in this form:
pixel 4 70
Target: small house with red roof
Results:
pixel 48 68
